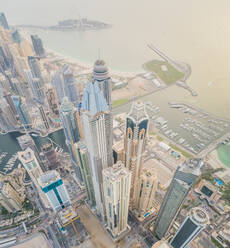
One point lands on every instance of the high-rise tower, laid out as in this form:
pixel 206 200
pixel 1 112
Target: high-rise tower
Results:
pixel 70 85
pixel 58 84
pixel 33 168
pixel 22 111
pixel 9 198
pixel 116 182
pixel 34 67
pixel 3 21
pixel 70 127
pixel 97 126
pixel 146 189
pixel 83 162
pixel 137 122
pixel 52 100
pixel 184 178
pixel 100 74
pixel 38 46
pixel 36 86
pixel 51 156
pixel 195 222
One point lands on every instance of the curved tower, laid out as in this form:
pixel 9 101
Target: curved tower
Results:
pixel 195 222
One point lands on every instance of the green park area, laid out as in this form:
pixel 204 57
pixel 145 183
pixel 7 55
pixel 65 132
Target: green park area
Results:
pixel 166 72
pixel 119 102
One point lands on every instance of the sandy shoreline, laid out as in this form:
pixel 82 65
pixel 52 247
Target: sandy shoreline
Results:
pixel 78 62
pixel 87 66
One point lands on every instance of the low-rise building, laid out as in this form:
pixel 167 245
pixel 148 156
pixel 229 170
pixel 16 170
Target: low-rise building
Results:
pixel 208 192
pixel 71 224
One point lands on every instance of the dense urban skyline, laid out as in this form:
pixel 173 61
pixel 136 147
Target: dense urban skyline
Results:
pixel 85 175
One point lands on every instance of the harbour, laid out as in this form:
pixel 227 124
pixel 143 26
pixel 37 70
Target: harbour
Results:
pixel 8 142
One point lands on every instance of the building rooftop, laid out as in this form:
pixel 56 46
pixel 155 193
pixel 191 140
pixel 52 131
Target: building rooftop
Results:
pixel 162 244
pixel 100 70
pixel 66 105
pixel 193 166
pixel 48 178
pixel 118 146
pixel 67 214
pixel 199 216
pixel 118 170
pixel 138 112
pixel 26 156
pixel 81 146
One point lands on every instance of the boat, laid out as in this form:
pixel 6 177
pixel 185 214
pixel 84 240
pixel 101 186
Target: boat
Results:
pixel 34 135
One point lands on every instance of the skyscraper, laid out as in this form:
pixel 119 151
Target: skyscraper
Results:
pixel 9 198
pixel 67 114
pixel 146 189
pixel 70 127
pixel 51 156
pixel 16 36
pixel 100 74
pixel 8 98
pixel 97 126
pixel 34 67
pixel 116 183
pixel 58 84
pixel 195 222
pixel 4 60
pixel 36 87
pixel 8 120
pixel 70 85
pixel 38 46
pixel 137 122
pixel 30 163
pixel 26 141
pixel 52 100
pixel 3 21
pixel 44 117
pixel 22 111
pixel 54 189
pixel 83 162
pixel 184 178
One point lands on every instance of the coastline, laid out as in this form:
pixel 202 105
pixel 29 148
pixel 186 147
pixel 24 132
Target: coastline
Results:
pixel 87 66
pixel 79 63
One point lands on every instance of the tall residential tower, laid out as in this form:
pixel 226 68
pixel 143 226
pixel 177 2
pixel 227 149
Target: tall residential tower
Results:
pixel 97 125
pixel 116 182
pixel 137 122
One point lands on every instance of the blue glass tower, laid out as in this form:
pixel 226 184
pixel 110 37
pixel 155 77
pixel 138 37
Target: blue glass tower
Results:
pixel 16 37
pixel 22 110
pixel 70 127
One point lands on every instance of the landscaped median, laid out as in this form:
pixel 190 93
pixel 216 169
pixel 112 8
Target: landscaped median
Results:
pixel 119 102
pixel 184 153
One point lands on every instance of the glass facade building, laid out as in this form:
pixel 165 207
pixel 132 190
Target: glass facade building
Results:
pixel 184 178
